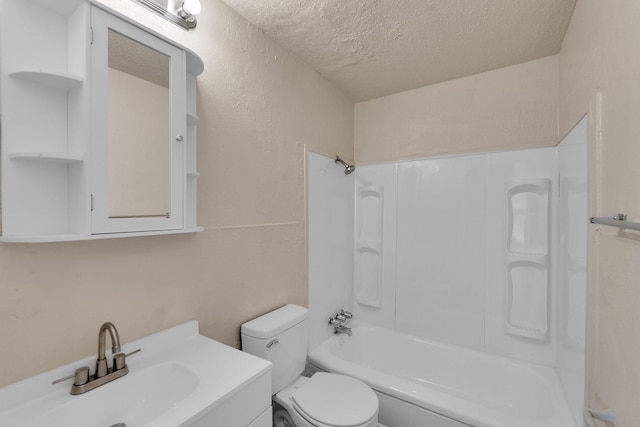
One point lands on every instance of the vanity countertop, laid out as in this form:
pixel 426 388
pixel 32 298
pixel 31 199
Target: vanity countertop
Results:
pixel 179 378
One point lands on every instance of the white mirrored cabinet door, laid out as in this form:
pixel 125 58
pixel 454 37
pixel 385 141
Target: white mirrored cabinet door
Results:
pixel 138 115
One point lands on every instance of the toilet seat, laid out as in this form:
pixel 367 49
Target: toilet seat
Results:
pixel 332 400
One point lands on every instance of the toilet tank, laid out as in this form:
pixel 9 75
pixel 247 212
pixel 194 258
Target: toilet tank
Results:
pixel 280 337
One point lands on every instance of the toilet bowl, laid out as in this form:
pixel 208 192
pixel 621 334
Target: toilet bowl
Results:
pixel 328 400
pixel 322 400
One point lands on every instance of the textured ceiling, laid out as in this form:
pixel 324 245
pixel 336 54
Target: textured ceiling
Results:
pixel 372 48
pixel 132 57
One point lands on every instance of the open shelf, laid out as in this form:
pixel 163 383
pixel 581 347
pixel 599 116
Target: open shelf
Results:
pixel 55 80
pixel 48 238
pixel 192 119
pixel 62 158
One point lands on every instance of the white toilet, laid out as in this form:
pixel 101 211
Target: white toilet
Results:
pixel 324 400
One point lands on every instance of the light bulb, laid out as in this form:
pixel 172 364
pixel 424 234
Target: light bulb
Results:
pixel 192 7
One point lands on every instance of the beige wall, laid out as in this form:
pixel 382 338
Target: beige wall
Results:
pixel 259 107
pixel 600 75
pixel 510 108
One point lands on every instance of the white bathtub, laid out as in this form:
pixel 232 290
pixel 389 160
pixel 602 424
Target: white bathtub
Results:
pixel 426 384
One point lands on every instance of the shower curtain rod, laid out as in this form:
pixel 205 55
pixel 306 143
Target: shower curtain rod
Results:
pixel 619 220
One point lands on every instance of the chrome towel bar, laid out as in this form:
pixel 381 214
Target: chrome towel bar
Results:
pixel 619 220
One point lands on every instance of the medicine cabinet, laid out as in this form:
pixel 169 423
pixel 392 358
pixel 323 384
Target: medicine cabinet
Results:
pixel 98 125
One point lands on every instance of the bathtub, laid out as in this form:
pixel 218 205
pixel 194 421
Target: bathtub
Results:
pixel 425 384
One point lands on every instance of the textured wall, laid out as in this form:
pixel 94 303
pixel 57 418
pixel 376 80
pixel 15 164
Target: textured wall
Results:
pixel 506 109
pixel 259 107
pixel 599 69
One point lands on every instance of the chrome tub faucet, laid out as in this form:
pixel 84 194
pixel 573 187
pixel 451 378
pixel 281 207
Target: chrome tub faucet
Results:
pixel 339 322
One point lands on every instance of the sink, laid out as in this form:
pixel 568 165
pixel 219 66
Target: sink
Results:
pixel 180 378
pixel 139 398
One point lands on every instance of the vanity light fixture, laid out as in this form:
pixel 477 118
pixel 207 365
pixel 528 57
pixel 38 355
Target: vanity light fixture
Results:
pixel 189 9
pixel 180 12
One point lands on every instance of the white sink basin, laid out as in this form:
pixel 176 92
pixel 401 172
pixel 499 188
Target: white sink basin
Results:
pixel 138 397
pixel 178 379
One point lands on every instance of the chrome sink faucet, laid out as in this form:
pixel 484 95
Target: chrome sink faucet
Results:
pixel 83 382
pixel 339 320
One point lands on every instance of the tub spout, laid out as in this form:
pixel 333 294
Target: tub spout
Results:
pixel 342 329
pixel 338 322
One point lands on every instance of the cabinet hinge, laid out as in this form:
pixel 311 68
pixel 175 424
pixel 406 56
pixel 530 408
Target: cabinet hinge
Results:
pixel 92 203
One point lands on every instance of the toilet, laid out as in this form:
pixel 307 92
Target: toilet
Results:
pixel 324 399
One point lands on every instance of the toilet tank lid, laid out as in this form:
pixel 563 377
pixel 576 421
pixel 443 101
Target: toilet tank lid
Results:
pixel 275 322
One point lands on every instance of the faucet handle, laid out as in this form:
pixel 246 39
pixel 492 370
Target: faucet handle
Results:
pixel 333 321
pixel 346 314
pixel 80 376
pixel 133 352
pixel 120 359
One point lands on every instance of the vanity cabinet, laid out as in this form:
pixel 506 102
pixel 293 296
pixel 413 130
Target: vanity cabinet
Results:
pixel 59 170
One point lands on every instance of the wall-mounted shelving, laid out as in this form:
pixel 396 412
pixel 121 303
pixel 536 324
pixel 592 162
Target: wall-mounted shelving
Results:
pixel 368 242
pixel 64 81
pixel 527 255
pixel 47 130
pixel 192 119
pixel 47 157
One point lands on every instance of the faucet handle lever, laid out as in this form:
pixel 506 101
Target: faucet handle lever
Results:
pixel 120 359
pixel 346 314
pixel 133 352
pixel 80 376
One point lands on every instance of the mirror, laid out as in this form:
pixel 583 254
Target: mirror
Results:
pixel 139 109
pixel 140 140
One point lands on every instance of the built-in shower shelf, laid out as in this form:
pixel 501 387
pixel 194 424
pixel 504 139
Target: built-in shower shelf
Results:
pixel 193 174
pixel 49 157
pixel 527 256
pixel 56 80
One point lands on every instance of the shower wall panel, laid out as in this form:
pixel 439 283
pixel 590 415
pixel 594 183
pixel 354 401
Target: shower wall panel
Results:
pixel 330 230
pixel 452 270
pixel 572 270
pixel 440 268
pixel 519 256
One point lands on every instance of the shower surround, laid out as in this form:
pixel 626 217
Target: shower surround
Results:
pixel 485 252
pixel 465 250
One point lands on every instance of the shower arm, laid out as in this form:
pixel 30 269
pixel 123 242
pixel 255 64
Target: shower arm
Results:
pixel 347 167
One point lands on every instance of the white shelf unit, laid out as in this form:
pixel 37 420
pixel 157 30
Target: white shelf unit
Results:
pixel 47 157
pixel 46 126
pixel 191 190
pixel 56 80
pixel 192 119
pixel 44 129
